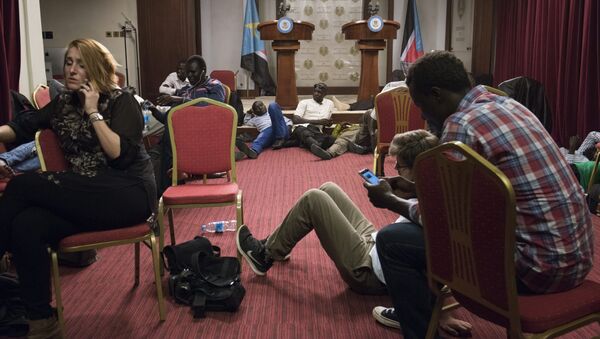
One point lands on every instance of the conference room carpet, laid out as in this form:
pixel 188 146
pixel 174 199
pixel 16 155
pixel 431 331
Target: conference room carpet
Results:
pixel 301 298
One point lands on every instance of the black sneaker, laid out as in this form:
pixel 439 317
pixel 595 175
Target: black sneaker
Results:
pixel 253 251
pixel 321 153
pixel 386 316
pixel 356 148
pixel 245 149
pixel 239 156
pixel 278 144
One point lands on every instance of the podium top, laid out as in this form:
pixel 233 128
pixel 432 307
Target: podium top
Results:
pixel 358 30
pixel 302 30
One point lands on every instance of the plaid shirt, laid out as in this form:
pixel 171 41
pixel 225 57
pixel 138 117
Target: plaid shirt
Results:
pixel 554 239
pixel 211 88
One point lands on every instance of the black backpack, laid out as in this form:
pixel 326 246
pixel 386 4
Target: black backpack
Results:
pixel 202 279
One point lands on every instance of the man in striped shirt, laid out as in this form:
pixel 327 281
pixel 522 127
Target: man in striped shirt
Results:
pixel 554 240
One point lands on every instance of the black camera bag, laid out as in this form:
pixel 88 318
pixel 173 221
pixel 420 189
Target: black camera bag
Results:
pixel 179 257
pixel 209 283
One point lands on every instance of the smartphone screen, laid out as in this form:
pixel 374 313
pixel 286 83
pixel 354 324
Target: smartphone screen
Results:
pixel 369 176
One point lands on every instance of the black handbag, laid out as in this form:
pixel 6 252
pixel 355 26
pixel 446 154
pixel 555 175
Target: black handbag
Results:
pixel 179 257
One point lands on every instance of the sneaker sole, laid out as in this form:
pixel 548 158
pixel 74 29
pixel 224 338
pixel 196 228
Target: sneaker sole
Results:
pixel 250 153
pixel 321 153
pixel 248 259
pixel 383 320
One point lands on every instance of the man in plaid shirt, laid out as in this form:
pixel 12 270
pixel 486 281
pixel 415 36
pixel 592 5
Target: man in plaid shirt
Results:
pixel 554 239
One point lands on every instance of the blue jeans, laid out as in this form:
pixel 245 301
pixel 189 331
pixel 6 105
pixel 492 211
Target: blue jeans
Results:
pixel 401 250
pixel 22 158
pixel 280 128
pixel 263 140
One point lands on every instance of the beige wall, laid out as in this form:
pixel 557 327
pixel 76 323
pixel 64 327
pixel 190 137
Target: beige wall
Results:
pixel 32 52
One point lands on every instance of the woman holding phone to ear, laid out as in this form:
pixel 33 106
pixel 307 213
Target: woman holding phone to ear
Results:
pixel 109 183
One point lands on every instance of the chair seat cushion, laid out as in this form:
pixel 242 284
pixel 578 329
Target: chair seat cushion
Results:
pixel 200 193
pixel 89 238
pixel 542 312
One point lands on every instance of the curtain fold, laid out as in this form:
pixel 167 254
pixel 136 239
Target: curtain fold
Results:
pixel 10 55
pixel 556 43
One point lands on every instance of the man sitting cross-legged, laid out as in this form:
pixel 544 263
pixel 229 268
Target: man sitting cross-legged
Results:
pixel 344 232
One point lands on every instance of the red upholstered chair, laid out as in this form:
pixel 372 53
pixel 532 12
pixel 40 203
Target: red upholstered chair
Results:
pixel 396 113
pixel 202 141
pixel 226 77
pixel 52 159
pixel 227 93
pixel 468 212
pixel 41 96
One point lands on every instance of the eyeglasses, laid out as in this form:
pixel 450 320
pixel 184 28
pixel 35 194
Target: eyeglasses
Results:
pixel 398 167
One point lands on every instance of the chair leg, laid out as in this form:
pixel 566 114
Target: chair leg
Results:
pixel 376 160
pixel 435 318
pixel 240 218
pixel 171 226
pixel 57 292
pixel 136 260
pixel 157 279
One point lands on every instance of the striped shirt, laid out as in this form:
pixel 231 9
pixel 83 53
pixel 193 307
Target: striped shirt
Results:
pixel 554 239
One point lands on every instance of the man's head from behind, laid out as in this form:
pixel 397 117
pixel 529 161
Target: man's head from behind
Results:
pixel 437 82
pixel 195 67
pixel 258 108
pixel 407 146
pixel 319 92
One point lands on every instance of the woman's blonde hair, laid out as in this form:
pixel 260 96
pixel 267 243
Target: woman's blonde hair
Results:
pixel 409 145
pixel 99 63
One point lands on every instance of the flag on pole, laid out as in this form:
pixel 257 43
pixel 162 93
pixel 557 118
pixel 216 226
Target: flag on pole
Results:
pixel 412 45
pixel 254 58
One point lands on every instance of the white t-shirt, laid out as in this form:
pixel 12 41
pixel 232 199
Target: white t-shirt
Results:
pixel 311 110
pixel 172 84
pixel 261 122
pixel 388 87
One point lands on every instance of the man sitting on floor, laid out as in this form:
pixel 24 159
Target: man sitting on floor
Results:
pixel 554 239
pixel 346 235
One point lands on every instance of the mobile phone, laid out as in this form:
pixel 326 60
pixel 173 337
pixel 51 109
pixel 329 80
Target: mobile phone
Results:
pixel 369 176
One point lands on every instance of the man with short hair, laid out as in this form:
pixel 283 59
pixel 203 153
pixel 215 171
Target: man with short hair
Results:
pixel 174 81
pixel 554 240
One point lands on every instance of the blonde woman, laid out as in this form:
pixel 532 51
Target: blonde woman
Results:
pixel 109 184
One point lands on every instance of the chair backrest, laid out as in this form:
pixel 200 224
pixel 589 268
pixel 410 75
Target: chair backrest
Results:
pixel 396 113
pixel 592 180
pixel 227 93
pixel 41 96
pixel 225 76
pixel 202 135
pixel 49 151
pixel 495 91
pixel 468 213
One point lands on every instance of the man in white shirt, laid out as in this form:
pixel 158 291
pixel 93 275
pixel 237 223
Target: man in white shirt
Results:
pixel 174 81
pixel 310 117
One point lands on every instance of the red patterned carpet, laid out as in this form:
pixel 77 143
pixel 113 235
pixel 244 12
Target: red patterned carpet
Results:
pixel 301 298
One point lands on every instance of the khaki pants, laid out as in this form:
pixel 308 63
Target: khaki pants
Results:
pixel 342 229
pixel 340 146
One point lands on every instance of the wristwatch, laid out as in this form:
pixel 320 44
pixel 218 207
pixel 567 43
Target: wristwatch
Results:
pixel 95 117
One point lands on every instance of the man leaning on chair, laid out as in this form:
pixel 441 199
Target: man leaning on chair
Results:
pixel 554 239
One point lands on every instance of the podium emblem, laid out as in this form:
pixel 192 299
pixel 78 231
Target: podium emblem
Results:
pixel 375 23
pixel 323 50
pixel 308 64
pixel 323 76
pixel 285 25
pixel 339 64
pixel 323 23
pixel 339 10
pixel 308 10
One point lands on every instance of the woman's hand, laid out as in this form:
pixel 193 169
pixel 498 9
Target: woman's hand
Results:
pixel 91 96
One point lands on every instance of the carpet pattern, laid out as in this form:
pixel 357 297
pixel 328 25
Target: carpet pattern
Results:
pixel 301 298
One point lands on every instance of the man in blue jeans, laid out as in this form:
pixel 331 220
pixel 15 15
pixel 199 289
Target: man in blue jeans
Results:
pixel 22 158
pixel 272 127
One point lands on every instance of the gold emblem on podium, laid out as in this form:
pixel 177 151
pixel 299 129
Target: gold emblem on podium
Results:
pixel 308 64
pixel 339 37
pixel 354 76
pixel 323 23
pixel 308 10
pixel 323 76
pixel 339 10
pixel 339 64
pixel 323 50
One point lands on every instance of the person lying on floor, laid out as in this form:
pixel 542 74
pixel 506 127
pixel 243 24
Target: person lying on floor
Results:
pixel 346 235
pixel 345 141
pixel 554 231
pixel 271 126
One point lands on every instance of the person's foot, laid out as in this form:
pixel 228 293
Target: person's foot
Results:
pixel 44 329
pixel 356 148
pixel 340 106
pixel 5 170
pixel 278 144
pixel 454 327
pixel 239 156
pixel 253 251
pixel 321 153
pixel 245 149
pixel 386 316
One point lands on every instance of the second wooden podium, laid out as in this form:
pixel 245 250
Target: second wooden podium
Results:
pixel 369 44
pixel 286 46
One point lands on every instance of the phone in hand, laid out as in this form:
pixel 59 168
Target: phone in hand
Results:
pixel 369 176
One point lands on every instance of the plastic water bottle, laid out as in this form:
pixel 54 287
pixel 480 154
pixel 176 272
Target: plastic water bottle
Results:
pixel 147 114
pixel 203 229
pixel 220 226
pixel 230 225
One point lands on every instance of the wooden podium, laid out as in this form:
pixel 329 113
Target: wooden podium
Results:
pixel 286 46
pixel 369 43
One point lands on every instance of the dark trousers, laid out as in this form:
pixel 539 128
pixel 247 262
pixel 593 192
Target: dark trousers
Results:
pixel 312 135
pixel 401 250
pixel 36 213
